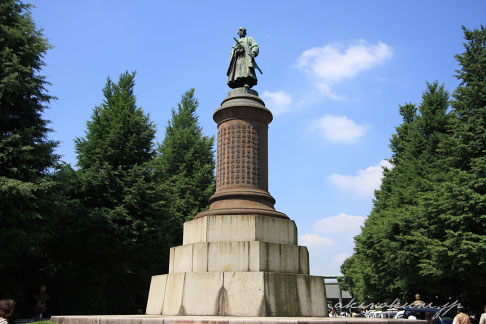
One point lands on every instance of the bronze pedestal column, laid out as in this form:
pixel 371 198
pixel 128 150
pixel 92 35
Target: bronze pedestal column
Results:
pixel 242 157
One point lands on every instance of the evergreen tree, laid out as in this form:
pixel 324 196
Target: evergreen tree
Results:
pixel 458 203
pixel 114 228
pixel 394 243
pixel 26 154
pixel 186 164
pixel 119 134
pixel 427 230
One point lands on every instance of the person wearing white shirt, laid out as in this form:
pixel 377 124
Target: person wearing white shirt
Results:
pixel 482 320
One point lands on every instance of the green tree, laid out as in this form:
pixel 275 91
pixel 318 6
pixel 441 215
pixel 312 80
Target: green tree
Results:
pixel 186 164
pixel 458 203
pixel 394 243
pixel 119 135
pixel 427 230
pixel 114 229
pixel 27 157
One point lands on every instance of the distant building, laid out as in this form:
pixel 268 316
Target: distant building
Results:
pixel 335 293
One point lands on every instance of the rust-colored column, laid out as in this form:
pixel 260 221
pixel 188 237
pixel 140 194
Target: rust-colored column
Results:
pixel 242 161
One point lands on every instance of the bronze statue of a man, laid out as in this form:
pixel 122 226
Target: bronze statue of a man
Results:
pixel 241 70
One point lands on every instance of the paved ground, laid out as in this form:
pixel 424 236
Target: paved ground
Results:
pixel 154 319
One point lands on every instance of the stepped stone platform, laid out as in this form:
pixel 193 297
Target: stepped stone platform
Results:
pixel 235 275
pixel 153 319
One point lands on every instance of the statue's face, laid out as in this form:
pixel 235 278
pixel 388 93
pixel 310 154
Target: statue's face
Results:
pixel 241 32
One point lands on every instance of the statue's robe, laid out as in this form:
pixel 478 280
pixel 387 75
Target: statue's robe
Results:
pixel 241 70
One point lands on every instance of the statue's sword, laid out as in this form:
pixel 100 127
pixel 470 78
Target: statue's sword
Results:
pixel 243 49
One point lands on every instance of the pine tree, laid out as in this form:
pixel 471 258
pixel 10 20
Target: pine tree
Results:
pixel 431 208
pixel 459 201
pixel 119 134
pixel 27 156
pixel 186 164
pixel 394 243
pixel 114 230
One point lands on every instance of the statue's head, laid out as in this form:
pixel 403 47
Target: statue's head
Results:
pixel 242 31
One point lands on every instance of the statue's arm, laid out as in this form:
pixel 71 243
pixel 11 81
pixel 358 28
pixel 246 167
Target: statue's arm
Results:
pixel 254 49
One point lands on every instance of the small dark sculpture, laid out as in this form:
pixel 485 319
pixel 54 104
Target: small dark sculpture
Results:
pixel 241 70
pixel 41 301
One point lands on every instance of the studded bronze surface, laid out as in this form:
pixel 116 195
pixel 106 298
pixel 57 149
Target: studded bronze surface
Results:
pixel 238 156
pixel 242 157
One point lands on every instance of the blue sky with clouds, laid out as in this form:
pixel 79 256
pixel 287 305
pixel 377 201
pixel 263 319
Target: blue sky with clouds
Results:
pixel 335 73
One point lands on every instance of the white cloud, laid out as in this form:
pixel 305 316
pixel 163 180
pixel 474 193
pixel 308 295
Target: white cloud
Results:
pixel 278 101
pixel 365 182
pixel 342 224
pixel 338 128
pixel 331 242
pixel 314 240
pixel 339 259
pixel 331 64
pixel 380 78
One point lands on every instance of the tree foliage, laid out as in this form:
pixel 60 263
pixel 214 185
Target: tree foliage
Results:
pixel 27 189
pixel 186 164
pixel 427 232
pixel 126 203
pixel 94 234
pixel 119 134
pixel 392 242
pixel 114 228
pixel 458 203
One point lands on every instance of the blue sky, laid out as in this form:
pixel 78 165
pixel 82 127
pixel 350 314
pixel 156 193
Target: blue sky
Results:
pixel 335 73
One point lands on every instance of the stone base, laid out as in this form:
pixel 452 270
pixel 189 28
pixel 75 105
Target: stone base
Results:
pixel 239 257
pixel 153 319
pixel 239 228
pixel 237 294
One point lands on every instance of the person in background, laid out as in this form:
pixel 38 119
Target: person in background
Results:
pixel 417 302
pixel 7 307
pixel 482 320
pixel 40 302
pixel 461 317
pixel 333 313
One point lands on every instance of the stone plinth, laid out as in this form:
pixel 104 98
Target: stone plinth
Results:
pixel 237 294
pixel 240 257
pixel 237 228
